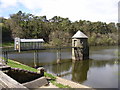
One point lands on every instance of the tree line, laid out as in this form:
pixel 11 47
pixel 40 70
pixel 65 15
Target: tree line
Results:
pixel 57 30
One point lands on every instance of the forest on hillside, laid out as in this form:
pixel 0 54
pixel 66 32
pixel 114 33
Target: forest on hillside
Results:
pixel 57 30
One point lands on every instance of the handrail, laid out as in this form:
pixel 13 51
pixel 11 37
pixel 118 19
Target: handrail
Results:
pixel 41 48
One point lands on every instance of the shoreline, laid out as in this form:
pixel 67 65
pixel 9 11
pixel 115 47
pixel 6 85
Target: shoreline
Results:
pixel 57 80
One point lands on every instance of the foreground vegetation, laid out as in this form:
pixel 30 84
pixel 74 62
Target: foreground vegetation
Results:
pixel 59 84
pixel 57 30
pixel 15 64
pixel 53 81
pixel 8 44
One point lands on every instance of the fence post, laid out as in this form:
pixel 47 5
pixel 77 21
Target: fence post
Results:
pixel 34 59
pixel 37 57
pixel 58 55
pixel 5 55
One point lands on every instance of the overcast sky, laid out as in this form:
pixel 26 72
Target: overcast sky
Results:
pixel 92 10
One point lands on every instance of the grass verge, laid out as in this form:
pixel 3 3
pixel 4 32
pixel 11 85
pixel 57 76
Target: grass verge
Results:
pixel 15 64
pixel 53 81
pixel 8 44
pixel 59 85
pixel 50 76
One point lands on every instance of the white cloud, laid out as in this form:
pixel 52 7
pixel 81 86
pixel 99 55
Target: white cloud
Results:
pixel 7 3
pixel 31 4
pixel 93 10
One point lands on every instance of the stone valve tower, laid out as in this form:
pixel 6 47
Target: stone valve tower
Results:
pixel 80 50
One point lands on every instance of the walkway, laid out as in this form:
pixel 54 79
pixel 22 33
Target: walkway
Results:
pixel 50 85
pixel 70 83
pixel 66 82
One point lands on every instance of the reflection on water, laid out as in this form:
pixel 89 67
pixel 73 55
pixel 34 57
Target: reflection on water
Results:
pixel 103 77
pixel 45 56
pixel 99 72
pixel 92 73
pixel 79 71
pixel 104 53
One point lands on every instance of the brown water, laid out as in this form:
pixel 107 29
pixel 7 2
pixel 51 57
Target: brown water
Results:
pixel 100 72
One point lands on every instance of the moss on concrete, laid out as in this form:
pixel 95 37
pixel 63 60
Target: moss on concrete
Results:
pixel 59 84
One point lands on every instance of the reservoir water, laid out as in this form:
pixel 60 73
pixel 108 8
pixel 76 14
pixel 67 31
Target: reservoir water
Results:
pixel 101 71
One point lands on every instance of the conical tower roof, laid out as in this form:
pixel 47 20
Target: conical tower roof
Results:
pixel 79 34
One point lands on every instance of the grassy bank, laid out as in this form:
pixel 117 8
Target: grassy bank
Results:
pixel 15 64
pixel 59 84
pixel 7 44
pixel 53 81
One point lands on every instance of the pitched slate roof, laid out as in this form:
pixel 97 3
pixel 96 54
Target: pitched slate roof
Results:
pixel 79 34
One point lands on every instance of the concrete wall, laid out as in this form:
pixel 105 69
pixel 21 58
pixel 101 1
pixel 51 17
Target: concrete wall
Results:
pixel 8 82
pixel 81 46
pixel 22 76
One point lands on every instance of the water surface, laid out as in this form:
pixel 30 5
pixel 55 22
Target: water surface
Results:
pixel 101 71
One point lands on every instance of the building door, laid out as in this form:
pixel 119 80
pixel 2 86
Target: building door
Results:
pixel 75 43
